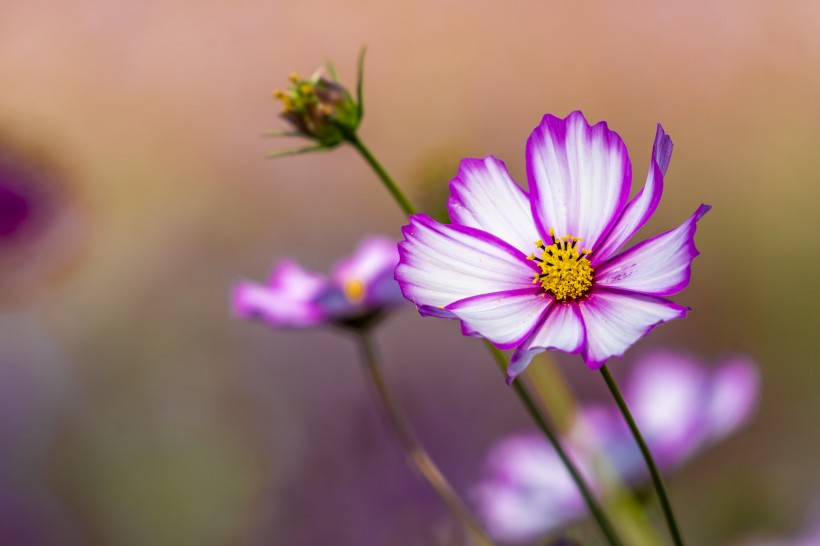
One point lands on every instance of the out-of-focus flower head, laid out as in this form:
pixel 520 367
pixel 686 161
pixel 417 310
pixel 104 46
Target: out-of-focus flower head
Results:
pixel 39 223
pixel 680 406
pixel 359 289
pixel 320 109
pixel 527 490
pixel 541 270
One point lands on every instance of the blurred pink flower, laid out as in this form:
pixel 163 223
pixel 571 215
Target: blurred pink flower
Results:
pixel 540 271
pixel 358 289
pixel 680 406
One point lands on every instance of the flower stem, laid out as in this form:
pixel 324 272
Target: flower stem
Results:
pixel 650 462
pixel 388 182
pixel 594 508
pixel 415 452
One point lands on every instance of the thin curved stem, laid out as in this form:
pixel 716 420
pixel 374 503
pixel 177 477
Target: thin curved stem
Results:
pixel 416 454
pixel 592 504
pixel 647 456
pixel 388 182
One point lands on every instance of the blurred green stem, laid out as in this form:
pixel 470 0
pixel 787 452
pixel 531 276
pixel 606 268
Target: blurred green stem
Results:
pixel 594 508
pixel 647 456
pixel 388 182
pixel 416 454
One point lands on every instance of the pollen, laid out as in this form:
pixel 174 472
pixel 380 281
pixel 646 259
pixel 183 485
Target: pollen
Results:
pixel 566 273
pixel 354 290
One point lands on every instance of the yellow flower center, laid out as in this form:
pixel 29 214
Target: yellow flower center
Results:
pixel 354 290
pixel 565 273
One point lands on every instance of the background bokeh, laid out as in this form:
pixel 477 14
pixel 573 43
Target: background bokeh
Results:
pixel 137 411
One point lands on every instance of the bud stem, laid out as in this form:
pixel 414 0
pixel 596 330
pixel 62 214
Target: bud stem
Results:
pixel 388 182
pixel 416 454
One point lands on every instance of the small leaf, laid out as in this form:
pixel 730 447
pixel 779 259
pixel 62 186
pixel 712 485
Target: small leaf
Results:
pixel 274 133
pixel 360 82
pixel 332 71
pixel 294 151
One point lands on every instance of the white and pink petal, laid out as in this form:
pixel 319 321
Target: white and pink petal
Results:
pixel 579 177
pixel 634 216
pixel 614 321
pixel 562 329
pixel 484 196
pixel 659 266
pixel 441 264
pixel 279 309
pixel 505 318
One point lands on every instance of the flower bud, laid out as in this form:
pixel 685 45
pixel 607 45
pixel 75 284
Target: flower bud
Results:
pixel 320 109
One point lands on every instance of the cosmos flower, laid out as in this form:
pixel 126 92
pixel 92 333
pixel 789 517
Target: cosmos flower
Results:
pixel 681 407
pixel 358 289
pixel 541 270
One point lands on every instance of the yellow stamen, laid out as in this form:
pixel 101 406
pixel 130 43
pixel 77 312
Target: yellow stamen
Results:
pixel 354 290
pixel 293 77
pixel 287 104
pixel 566 274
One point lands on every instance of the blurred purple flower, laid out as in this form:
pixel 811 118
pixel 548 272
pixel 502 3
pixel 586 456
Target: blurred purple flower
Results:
pixel 680 406
pixel 358 289
pixel 38 221
pixel 541 270
pixel 527 490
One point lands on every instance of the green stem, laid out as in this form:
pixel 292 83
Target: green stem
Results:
pixel 416 454
pixel 594 508
pixel 647 456
pixel 388 182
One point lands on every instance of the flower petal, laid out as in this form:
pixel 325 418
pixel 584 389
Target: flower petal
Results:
pixel 505 318
pixel 527 491
pixel 667 393
pixel 659 266
pixel 734 396
pixel 484 196
pixel 579 177
pixel 613 321
pixel 440 264
pixel 643 205
pixel 562 329
pixel 662 149
pixel 288 301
